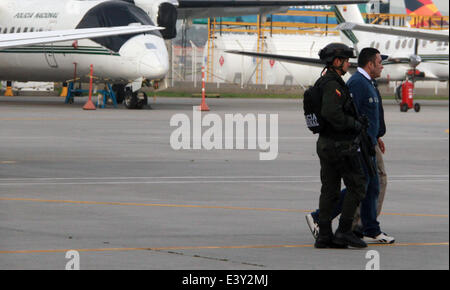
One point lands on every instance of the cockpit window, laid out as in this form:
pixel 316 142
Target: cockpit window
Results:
pixel 115 13
pixel 150 46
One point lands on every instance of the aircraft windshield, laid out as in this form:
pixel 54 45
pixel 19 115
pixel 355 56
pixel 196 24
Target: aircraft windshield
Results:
pixel 111 14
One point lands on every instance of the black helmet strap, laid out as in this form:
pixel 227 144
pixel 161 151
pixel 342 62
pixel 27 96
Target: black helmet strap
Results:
pixel 336 68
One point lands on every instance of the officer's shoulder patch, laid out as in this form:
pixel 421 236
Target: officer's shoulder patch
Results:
pixel 338 93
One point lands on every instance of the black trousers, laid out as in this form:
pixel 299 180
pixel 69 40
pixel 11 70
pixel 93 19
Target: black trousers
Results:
pixel 338 161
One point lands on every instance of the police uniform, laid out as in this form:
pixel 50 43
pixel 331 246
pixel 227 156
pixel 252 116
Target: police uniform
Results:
pixel 339 154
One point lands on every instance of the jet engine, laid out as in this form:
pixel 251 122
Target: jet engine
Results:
pixel 162 12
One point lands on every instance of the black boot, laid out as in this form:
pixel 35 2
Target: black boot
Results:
pixel 345 237
pixel 348 239
pixel 325 238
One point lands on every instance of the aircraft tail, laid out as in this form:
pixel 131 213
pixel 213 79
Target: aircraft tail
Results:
pixel 423 8
pixel 350 13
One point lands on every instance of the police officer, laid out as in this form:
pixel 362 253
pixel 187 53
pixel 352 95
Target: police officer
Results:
pixel 338 152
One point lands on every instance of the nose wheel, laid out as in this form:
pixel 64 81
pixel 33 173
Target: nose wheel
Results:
pixel 135 101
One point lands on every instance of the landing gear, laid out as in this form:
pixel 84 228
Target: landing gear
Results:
pixel 135 101
pixel 132 95
pixel 119 90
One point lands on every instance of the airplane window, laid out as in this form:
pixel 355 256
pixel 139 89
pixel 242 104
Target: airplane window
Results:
pixel 446 44
pixel 388 44
pixel 372 44
pixel 411 43
pixel 18 30
pixel 12 30
pixel 5 30
pixel 115 13
pixel 424 43
pixel 41 29
pixel 378 45
pixel 397 44
pixel 25 29
pixel 439 44
pixel 32 29
pixel 404 43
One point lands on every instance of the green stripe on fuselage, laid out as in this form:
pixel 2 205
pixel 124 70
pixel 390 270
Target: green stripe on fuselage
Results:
pixel 61 50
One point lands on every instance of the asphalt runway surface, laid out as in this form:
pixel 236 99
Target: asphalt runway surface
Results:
pixel 109 185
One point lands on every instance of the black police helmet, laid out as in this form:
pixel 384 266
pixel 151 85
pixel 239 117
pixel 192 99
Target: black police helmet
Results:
pixel 334 50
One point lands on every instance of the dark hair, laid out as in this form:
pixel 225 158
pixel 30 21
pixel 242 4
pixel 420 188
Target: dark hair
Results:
pixel 367 55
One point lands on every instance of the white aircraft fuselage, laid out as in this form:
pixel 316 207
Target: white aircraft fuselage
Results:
pixel 116 59
pixel 432 56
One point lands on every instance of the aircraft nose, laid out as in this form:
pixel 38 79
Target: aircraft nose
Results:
pixel 149 55
pixel 153 66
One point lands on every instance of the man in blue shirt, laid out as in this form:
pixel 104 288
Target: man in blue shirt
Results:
pixel 367 98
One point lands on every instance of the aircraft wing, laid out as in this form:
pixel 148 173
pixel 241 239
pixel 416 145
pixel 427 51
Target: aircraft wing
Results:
pixel 433 35
pixel 312 61
pixel 216 8
pixel 286 58
pixel 32 38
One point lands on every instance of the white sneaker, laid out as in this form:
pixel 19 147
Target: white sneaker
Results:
pixel 382 238
pixel 314 227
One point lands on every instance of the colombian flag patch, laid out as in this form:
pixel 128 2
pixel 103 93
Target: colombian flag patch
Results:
pixel 338 93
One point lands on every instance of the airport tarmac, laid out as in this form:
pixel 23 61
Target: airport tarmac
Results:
pixel 108 184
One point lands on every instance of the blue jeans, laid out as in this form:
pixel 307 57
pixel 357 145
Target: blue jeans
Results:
pixel 337 210
pixel 371 227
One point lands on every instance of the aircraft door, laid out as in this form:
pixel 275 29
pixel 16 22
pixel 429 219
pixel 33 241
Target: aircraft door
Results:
pixel 49 49
pixel 50 56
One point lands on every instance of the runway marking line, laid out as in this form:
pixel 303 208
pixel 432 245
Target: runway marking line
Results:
pixel 206 248
pixel 199 206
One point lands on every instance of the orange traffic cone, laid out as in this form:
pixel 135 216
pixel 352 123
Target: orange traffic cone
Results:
pixel 89 104
pixel 203 107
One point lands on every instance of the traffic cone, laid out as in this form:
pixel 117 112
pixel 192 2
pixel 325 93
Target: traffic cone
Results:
pixel 203 107
pixel 89 104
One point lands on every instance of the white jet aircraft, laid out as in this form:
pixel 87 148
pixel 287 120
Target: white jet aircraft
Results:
pixel 405 53
pixel 127 61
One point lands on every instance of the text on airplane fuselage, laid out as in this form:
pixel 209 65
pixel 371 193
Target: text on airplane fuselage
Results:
pixel 39 15
pixel 313 7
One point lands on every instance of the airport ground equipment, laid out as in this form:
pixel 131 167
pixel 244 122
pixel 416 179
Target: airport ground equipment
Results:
pixel 9 91
pixel 405 93
pixel 107 93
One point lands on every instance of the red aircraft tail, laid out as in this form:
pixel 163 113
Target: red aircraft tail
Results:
pixel 428 10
